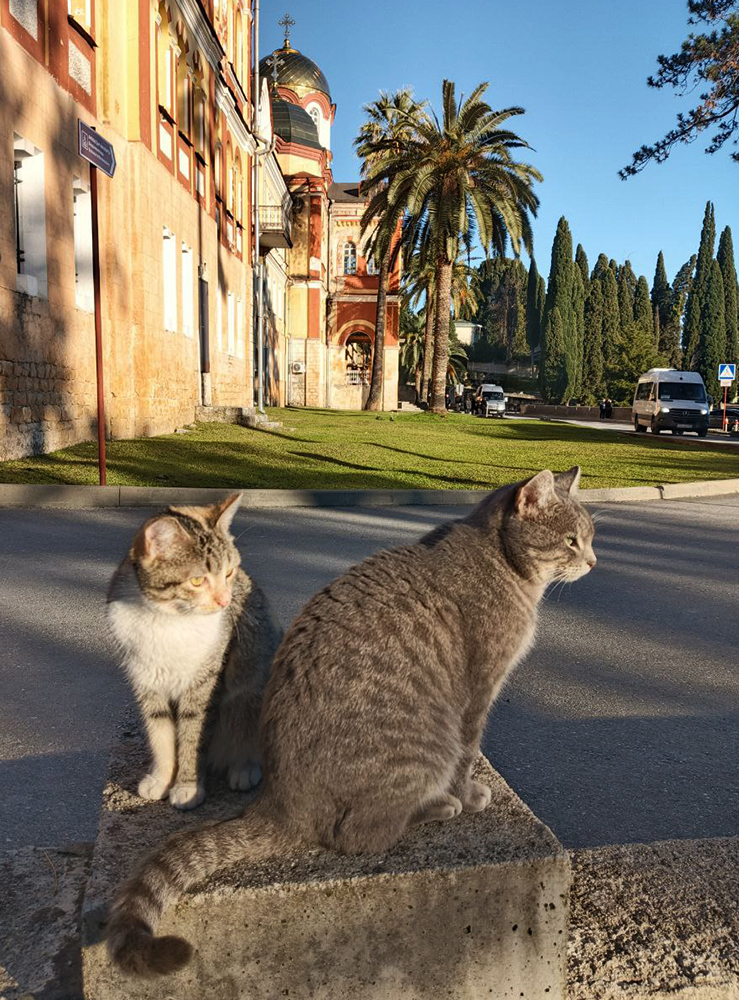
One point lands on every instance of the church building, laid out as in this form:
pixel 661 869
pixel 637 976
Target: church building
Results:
pixel 321 354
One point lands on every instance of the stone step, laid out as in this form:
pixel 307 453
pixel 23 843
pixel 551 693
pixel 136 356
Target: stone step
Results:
pixel 41 892
pixel 474 908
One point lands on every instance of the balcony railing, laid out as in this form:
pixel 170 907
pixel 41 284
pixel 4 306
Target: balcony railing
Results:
pixel 275 225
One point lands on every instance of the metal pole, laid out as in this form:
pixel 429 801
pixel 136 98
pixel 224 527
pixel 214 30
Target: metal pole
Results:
pixel 257 235
pixel 723 424
pixel 98 322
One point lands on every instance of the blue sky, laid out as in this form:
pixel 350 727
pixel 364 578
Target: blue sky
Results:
pixel 578 68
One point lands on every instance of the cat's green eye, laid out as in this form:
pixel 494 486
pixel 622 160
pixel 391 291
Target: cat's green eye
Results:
pixel 572 541
pixel 197 581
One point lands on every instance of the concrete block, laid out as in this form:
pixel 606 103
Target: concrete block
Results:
pixel 652 921
pixel 41 893
pixel 473 908
pixel 625 494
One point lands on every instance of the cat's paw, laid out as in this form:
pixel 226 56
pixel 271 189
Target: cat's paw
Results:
pixel 153 788
pixel 439 811
pixel 475 797
pixel 186 795
pixel 242 779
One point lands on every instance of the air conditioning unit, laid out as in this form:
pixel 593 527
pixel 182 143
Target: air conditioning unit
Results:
pixel 297 368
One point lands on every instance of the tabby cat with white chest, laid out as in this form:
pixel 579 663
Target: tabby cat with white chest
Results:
pixel 196 638
pixel 378 698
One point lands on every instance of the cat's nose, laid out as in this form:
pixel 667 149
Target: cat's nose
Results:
pixel 223 599
pixel 591 561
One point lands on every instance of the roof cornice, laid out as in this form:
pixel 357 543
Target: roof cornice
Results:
pixel 225 101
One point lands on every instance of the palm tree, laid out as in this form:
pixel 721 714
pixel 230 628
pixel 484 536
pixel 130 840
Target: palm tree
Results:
pixel 419 280
pixel 411 347
pixel 456 179
pixel 390 120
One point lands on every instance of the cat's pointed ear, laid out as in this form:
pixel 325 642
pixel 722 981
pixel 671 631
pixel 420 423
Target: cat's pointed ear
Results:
pixel 569 480
pixel 159 537
pixel 223 513
pixel 535 494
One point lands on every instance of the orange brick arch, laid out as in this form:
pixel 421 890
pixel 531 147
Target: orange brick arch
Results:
pixel 354 326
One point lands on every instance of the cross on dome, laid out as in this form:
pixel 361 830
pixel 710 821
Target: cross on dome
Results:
pixel 287 23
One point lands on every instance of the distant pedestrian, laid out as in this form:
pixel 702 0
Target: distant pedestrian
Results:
pixel 609 409
pixel 602 409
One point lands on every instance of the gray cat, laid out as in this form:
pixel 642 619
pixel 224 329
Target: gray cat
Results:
pixel 377 700
pixel 197 639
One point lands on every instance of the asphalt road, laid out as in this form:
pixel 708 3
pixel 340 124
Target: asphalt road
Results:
pixel 622 725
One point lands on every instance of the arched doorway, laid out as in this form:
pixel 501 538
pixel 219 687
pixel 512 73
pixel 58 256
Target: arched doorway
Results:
pixel 358 361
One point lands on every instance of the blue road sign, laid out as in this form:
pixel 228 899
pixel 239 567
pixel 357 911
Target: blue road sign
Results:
pixel 96 150
pixel 727 372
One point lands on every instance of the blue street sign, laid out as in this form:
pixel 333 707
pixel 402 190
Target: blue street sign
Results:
pixel 96 150
pixel 727 372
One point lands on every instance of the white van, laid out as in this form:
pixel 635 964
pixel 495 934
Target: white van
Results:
pixel 670 400
pixel 490 400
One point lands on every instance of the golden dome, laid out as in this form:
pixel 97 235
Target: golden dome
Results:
pixel 296 72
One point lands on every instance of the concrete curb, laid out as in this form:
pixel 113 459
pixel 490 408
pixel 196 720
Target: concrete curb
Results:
pixel 159 496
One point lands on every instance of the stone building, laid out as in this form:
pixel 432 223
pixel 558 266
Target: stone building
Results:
pixel 331 285
pixel 167 82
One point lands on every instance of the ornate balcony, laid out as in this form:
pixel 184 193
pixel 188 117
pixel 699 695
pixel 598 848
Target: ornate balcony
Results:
pixel 275 225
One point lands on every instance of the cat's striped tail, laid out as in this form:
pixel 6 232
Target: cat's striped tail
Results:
pixel 183 860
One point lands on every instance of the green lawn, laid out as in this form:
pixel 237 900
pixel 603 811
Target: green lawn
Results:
pixel 327 449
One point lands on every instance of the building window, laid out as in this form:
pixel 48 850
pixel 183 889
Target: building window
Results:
pixel 316 116
pixel 231 306
pixel 240 331
pixel 188 291
pixel 169 260
pixel 184 96
pixel 350 258
pixel 84 289
pixel 358 359
pixel 200 122
pixel 219 315
pixel 238 189
pixel 30 218
pixel 371 266
pixel 25 12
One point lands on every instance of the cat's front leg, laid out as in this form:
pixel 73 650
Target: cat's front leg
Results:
pixel 473 795
pixel 189 789
pixel 160 730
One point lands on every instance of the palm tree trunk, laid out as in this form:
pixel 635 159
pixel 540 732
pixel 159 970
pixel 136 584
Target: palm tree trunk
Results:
pixel 374 400
pixel 418 384
pixel 428 348
pixel 441 335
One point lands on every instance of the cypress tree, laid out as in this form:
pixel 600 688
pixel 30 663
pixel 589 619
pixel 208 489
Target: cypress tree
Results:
pixel 611 321
pixel 661 299
pixel 671 336
pixel 581 260
pixel 559 357
pixel 533 316
pixel 575 356
pixel 712 348
pixel 541 301
pixel 593 367
pixel 643 316
pixel 698 291
pixel 626 289
pixel 725 258
pixel 554 365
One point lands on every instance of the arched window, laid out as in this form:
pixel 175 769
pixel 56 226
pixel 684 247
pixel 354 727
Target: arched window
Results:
pixel 350 258
pixel 358 358
pixel 219 170
pixel 238 189
pixel 316 116
pixel 184 94
pixel 229 178
pixel 200 114
pixel 239 46
pixel 165 60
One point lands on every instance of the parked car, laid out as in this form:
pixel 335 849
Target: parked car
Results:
pixel 716 416
pixel 670 400
pixel 490 401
